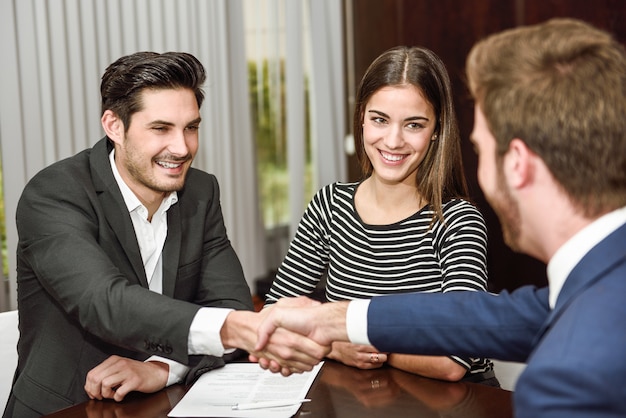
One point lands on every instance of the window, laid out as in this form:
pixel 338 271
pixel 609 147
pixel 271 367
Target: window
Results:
pixel 266 45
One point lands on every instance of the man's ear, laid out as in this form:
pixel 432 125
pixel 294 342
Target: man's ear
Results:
pixel 113 126
pixel 519 164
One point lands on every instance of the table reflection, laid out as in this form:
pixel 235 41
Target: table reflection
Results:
pixel 348 392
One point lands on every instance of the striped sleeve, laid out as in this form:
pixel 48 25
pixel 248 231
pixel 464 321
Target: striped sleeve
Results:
pixel 461 243
pixel 307 257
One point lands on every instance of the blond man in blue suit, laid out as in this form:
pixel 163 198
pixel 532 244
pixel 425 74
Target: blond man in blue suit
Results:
pixel 550 133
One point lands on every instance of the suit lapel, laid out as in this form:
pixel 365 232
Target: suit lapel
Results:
pixel 593 267
pixel 171 249
pixel 114 208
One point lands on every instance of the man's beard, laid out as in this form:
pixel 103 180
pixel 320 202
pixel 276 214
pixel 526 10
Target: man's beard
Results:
pixel 507 210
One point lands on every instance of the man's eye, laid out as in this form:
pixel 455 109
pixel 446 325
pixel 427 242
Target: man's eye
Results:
pixel 193 128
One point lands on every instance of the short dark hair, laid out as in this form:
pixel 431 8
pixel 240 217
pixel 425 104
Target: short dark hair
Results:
pixel 125 79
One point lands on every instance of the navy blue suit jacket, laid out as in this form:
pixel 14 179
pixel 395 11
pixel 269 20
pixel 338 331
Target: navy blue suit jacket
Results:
pixel 575 354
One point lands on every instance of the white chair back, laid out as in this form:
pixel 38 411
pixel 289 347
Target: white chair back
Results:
pixel 508 372
pixel 8 353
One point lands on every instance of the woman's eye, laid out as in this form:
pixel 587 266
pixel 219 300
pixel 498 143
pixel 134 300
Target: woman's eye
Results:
pixel 415 125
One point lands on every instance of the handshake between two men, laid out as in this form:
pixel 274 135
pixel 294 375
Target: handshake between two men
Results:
pixel 294 334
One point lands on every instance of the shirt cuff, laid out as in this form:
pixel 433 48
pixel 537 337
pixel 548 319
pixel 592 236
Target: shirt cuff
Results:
pixel 177 371
pixel 356 321
pixel 204 333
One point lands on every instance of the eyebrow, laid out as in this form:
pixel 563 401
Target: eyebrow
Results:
pixel 383 114
pixel 164 122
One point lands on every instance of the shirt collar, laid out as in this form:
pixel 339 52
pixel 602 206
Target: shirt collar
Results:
pixel 130 199
pixel 570 253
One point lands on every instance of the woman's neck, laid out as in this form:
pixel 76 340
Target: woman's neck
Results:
pixel 379 203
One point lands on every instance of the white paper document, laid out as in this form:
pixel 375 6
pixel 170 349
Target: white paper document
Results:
pixel 216 393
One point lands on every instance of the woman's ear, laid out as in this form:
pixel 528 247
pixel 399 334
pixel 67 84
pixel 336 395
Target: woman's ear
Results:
pixel 113 126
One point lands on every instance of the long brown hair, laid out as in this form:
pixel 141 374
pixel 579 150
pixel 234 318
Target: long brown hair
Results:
pixel 440 176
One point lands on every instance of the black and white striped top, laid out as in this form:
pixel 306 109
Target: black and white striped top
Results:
pixel 360 260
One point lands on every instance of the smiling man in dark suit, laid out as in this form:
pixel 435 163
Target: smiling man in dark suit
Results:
pixel 550 133
pixel 127 280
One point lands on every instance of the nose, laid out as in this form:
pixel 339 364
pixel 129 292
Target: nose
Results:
pixel 178 144
pixel 394 138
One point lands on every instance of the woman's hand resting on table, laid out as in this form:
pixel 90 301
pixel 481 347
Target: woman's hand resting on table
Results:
pixel 355 355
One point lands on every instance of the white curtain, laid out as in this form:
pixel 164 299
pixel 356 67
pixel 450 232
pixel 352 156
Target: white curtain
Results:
pixel 320 54
pixel 328 90
pixel 54 53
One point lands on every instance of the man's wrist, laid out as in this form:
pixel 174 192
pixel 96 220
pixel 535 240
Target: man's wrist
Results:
pixel 162 369
pixel 356 321
pixel 175 371
pixel 238 330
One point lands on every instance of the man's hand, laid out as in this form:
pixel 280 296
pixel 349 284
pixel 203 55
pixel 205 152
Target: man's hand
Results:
pixel 115 377
pixel 356 355
pixel 284 351
pixel 287 353
pixel 323 324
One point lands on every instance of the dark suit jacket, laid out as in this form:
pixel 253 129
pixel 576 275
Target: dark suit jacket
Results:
pixel 82 288
pixel 575 353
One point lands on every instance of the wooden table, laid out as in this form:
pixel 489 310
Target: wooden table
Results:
pixel 343 392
